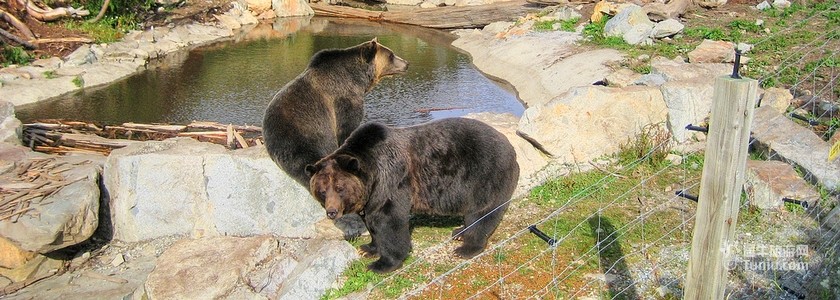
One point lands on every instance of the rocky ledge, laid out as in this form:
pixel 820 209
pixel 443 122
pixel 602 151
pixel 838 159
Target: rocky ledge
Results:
pixel 155 219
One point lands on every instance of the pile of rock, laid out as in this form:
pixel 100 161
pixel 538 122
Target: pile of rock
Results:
pixel 564 105
pixel 632 24
pixel 244 228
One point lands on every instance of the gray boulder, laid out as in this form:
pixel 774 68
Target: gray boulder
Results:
pixel 777 98
pixel 261 267
pixel 542 73
pixel 630 23
pixel 10 126
pixel 767 182
pixel 688 102
pixel 782 139
pixel 67 215
pixel 591 121
pixel 565 13
pixel 666 28
pixel 710 51
pixel 185 187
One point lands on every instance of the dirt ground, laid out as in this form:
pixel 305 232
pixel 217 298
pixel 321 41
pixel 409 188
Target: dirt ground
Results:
pixel 191 10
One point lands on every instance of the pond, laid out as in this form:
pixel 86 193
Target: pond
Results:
pixel 233 81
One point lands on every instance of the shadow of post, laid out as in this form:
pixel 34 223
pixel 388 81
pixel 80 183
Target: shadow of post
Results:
pixel 612 261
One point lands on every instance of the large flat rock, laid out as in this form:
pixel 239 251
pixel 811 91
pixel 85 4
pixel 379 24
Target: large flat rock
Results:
pixel 60 200
pixel 768 182
pixel 783 139
pixel 538 73
pixel 592 121
pixel 207 268
pixel 185 187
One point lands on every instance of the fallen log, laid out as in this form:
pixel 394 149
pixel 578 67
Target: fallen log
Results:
pixel 450 17
pixel 155 127
pixel 51 14
pixel 17 24
pixel 62 40
pixel 220 127
pixel 62 137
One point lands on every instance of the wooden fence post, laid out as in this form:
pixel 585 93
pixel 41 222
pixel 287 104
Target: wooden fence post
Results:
pixel 720 186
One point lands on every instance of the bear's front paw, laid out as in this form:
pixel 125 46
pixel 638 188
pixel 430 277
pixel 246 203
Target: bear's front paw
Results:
pixel 457 233
pixel 468 251
pixel 383 266
pixel 368 251
pixel 351 225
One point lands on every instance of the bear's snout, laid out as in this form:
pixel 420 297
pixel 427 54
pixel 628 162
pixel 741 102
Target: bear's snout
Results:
pixel 332 213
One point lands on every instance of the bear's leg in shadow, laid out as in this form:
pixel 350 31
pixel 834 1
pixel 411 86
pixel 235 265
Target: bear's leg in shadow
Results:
pixel 476 235
pixel 370 250
pixel 351 225
pixel 393 240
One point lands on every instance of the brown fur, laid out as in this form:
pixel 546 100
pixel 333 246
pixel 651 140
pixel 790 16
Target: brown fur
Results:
pixel 333 184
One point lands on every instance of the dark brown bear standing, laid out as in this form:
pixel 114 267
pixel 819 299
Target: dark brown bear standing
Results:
pixel 314 113
pixel 455 167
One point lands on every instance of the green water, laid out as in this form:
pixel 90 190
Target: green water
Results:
pixel 232 82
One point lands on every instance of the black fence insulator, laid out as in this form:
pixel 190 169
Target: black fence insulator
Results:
pixel 804 204
pixel 803 118
pixel 737 66
pixel 697 128
pixel 542 235
pixel 682 193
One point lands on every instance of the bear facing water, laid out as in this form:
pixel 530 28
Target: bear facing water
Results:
pixel 452 167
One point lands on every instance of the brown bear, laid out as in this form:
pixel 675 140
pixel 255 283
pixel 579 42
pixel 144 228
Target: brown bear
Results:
pixel 314 113
pixel 454 167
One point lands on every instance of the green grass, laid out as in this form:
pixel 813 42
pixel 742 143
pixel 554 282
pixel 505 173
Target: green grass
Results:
pixel 108 30
pixel 50 74
pixel 544 25
pixel 358 278
pixel 549 25
pixel 777 58
pixel 15 55
pixel 78 81
pixel 580 223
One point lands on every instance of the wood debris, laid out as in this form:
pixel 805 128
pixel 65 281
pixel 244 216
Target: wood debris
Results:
pixel 63 137
pixel 29 182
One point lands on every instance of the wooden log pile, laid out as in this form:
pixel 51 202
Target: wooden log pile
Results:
pixel 450 17
pixel 62 137
pixel 29 182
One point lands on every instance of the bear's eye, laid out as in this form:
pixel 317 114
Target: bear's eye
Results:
pixel 339 189
pixel 322 194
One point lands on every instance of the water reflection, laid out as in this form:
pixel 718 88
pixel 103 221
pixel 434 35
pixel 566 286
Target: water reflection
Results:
pixel 232 82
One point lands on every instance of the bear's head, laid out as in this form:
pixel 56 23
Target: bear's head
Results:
pixel 384 61
pixel 335 182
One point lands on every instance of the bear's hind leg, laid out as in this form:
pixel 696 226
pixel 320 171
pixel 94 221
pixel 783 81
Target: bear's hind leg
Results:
pixel 475 236
pixel 369 250
pixel 393 241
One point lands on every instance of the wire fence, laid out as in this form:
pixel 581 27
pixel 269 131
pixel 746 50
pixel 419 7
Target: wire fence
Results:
pixel 621 231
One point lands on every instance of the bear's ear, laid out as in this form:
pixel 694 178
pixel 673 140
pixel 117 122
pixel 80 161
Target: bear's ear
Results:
pixel 369 50
pixel 310 170
pixel 349 163
pixel 375 40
